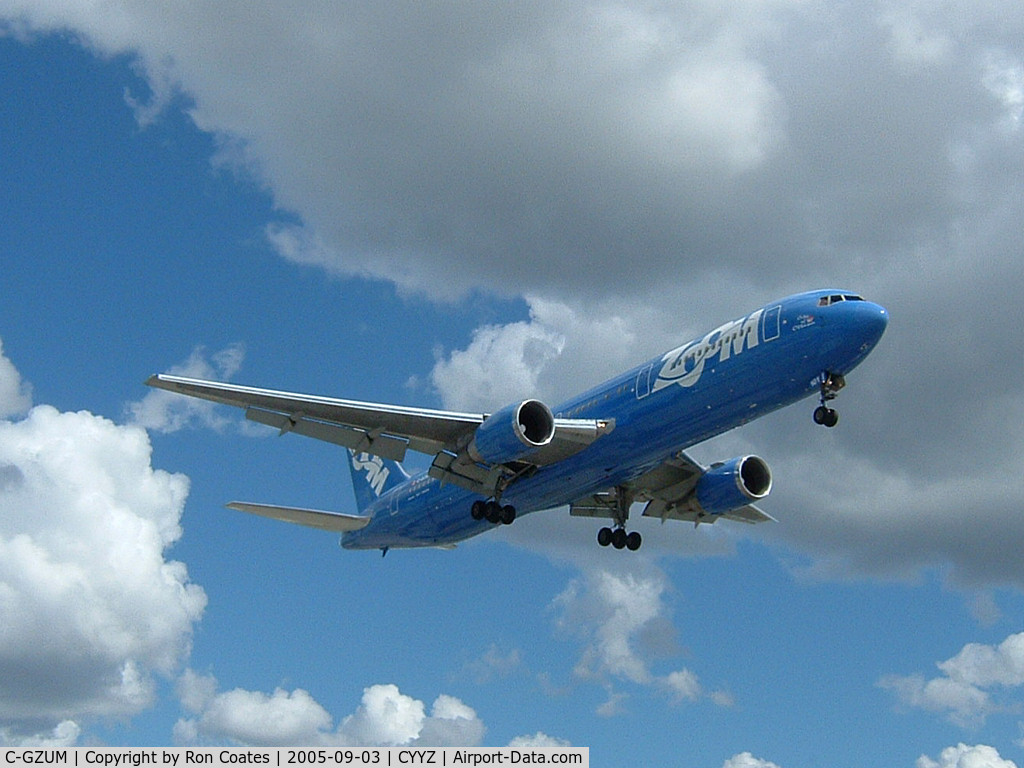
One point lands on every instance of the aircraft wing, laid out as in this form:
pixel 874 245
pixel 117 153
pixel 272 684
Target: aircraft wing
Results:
pixel 669 490
pixel 385 430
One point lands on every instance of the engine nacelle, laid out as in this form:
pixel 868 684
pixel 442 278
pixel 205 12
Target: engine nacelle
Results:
pixel 513 433
pixel 733 484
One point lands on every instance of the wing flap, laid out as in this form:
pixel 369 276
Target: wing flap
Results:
pixel 359 440
pixel 313 518
pixel 750 514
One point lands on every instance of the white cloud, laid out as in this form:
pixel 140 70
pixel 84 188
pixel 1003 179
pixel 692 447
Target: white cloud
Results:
pixel 1004 79
pixel 252 717
pixel 683 685
pixel 64 734
pixel 912 38
pixel 563 348
pixel 623 621
pixel 92 609
pixel 15 394
pixel 539 739
pixel 165 411
pixel 963 756
pixel 494 663
pixel 965 691
pixel 500 365
pixel 384 717
pixel 469 140
pixel 747 760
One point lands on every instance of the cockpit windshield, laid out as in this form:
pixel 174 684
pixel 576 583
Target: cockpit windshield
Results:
pixel 835 298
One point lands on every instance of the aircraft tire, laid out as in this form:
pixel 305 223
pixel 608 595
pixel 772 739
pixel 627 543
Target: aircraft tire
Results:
pixel 493 512
pixel 633 541
pixel 478 510
pixel 508 514
pixel 618 538
pixel 825 416
pixel 604 537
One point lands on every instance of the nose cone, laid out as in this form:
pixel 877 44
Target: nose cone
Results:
pixel 863 324
pixel 872 319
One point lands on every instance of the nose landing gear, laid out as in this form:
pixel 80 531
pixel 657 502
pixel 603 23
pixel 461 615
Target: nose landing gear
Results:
pixel 830 384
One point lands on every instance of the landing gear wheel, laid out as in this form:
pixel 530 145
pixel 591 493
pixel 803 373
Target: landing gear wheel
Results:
pixel 825 416
pixel 604 537
pixel 830 384
pixel 633 541
pixel 478 510
pixel 493 512
pixel 508 514
pixel 619 538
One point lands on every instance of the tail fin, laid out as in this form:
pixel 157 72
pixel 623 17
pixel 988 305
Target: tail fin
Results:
pixel 373 476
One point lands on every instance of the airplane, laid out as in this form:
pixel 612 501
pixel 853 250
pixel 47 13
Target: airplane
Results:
pixel 601 452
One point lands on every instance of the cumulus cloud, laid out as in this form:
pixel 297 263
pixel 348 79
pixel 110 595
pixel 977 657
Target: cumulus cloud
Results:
pixel 385 717
pixel 92 609
pixel 623 623
pixel 164 411
pixel 963 756
pixel 522 145
pixel 64 734
pixel 563 348
pixel 965 691
pixel 15 394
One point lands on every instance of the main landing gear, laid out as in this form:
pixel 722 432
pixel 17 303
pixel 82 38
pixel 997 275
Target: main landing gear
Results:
pixel 616 536
pixel 830 384
pixel 619 539
pixel 493 512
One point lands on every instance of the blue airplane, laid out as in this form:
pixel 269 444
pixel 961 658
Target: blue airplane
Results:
pixel 615 445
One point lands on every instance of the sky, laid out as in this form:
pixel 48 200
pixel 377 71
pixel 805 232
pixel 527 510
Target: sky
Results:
pixel 458 205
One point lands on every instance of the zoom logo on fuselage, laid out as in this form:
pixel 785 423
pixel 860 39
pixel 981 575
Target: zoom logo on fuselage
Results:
pixel 684 365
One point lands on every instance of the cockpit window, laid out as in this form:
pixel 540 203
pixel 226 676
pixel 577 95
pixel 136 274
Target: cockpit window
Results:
pixel 827 301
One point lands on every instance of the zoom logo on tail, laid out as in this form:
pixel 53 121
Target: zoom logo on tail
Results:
pixel 373 466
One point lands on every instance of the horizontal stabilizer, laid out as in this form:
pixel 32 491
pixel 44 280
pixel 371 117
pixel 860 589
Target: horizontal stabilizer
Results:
pixel 314 518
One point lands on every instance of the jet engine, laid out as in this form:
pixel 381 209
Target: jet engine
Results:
pixel 513 433
pixel 733 484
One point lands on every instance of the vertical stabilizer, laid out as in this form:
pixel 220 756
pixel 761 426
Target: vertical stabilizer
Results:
pixel 373 476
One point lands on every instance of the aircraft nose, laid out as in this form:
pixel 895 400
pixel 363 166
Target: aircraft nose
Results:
pixel 875 320
pixel 870 320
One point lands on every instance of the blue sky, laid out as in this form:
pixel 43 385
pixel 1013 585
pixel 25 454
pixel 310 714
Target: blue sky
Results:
pixel 457 206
